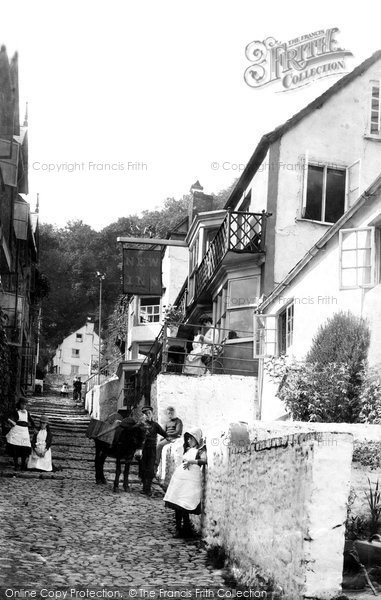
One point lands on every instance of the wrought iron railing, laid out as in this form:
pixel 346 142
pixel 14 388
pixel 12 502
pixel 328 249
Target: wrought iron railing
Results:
pixel 242 232
pixel 170 354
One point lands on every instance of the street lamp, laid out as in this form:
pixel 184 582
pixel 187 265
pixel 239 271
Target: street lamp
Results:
pixel 101 277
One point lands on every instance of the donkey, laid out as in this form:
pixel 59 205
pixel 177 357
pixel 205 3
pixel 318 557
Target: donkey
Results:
pixel 128 441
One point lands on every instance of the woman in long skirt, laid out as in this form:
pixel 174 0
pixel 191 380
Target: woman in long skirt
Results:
pixel 41 457
pixel 184 492
pixel 18 438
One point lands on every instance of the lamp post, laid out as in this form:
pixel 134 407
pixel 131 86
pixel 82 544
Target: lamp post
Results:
pixel 101 277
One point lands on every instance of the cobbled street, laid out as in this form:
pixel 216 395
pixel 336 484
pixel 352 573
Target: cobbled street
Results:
pixel 60 529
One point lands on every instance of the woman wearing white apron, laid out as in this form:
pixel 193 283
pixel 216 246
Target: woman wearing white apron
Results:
pixel 18 438
pixel 184 492
pixel 41 457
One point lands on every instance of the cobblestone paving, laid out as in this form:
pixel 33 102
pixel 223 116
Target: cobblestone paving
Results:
pixel 63 529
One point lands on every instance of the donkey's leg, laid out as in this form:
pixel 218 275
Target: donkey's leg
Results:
pixel 118 470
pixel 127 466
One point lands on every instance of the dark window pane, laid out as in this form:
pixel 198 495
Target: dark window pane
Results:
pixel 314 193
pixel 335 195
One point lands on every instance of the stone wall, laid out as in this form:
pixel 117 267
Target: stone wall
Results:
pixel 362 434
pixel 277 505
pixel 210 402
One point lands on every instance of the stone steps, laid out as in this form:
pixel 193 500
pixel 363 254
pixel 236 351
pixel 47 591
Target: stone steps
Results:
pixel 73 453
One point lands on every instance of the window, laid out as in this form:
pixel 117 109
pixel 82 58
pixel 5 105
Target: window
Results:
pixel 149 310
pixel 75 353
pixel 78 337
pixel 357 260
pixel 74 369
pixel 265 335
pixel 234 307
pixel 285 329
pixel 325 193
pixel 375 109
pixel 273 334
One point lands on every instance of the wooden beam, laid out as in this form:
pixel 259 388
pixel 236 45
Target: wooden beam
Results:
pixel 151 241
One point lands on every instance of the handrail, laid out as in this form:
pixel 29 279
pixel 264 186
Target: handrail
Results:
pixel 101 372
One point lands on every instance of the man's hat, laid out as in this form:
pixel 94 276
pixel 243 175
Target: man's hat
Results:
pixel 147 408
pixel 44 419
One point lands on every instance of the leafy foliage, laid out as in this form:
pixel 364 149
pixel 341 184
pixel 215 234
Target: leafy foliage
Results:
pixel 70 257
pixel 374 500
pixel 328 386
pixel 370 398
pixel 368 454
pixel 313 393
pixel 344 338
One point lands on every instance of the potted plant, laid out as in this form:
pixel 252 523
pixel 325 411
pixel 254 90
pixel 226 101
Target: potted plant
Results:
pixel 173 317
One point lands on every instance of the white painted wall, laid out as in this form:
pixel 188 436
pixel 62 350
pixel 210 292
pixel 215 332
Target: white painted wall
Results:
pixel 335 133
pixel 317 296
pixel 210 402
pixel 88 352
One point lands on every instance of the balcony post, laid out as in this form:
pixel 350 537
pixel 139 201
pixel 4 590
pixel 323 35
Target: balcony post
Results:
pixel 228 232
pixel 263 230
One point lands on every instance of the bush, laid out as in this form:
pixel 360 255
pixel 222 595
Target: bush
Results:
pixel 370 398
pixel 328 386
pixel 318 394
pixel 344 338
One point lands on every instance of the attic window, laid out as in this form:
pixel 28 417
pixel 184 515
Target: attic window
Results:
pixel 375 109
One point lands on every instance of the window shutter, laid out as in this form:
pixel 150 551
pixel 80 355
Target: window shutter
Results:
pixel 304 183
pixel 353 183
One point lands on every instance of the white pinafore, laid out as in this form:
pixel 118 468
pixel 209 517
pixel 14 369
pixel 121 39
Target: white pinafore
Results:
pixel 185 487
pixel 41 462
pixel 19 435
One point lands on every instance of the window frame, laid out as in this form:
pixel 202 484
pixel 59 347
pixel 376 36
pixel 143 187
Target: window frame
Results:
pixel 377 136
pixel 325 166
pixel 75 353
pixel 79 338
pixel 289 312
pixel 373 265
pixel 144 323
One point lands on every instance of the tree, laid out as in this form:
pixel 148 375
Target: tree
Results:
pixel 328 386
pixel 70 257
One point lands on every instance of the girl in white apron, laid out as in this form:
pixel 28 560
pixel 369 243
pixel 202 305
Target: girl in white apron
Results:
pixel 41 457
pixel 18 438
pixel 184 492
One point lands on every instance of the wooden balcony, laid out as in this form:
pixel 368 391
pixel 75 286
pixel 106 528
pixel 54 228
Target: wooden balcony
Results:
pixel 239 233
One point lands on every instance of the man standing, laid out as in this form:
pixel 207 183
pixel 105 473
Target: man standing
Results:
pixel 173 428
pixel 147 462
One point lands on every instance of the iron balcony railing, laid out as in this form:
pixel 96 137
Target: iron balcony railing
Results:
pixel 242 232
pixel 170 354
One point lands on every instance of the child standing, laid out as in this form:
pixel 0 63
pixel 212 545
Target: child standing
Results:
pixel 41 457
pixel 18 438
pixel 185 488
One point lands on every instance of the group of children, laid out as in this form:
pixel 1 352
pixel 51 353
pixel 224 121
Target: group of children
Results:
pixel 184 492
pixel 33 453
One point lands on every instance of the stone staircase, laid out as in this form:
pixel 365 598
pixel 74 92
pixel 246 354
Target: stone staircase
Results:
pixel 72 452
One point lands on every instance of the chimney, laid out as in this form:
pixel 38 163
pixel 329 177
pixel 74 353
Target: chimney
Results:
pixel 199 201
